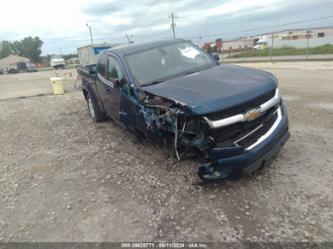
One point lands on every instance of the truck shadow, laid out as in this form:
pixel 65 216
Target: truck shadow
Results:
pixel 160 159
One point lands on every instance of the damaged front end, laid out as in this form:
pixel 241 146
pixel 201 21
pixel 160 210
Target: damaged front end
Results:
pixel 232 142
pixel 246 137
pixel 172 121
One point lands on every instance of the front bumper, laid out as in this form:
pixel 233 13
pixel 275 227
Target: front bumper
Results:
pixel 234 162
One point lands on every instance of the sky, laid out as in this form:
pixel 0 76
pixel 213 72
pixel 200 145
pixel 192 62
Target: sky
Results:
pixel 61 24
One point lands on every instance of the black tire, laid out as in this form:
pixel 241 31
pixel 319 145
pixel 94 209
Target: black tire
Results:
pixel 96 114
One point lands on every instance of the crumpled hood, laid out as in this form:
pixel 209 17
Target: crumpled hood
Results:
pixel 216 88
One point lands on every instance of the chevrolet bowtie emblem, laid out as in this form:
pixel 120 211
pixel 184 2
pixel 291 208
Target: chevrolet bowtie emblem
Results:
pixel 252 115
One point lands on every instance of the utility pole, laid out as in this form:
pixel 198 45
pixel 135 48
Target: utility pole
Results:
pixel 245 46
pixel 173 24
pixel 308 35
pixel 244 49
pixel 272 47
pixel 91 37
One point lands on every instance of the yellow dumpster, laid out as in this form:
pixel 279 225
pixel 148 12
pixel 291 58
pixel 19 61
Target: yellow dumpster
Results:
pixel 57 85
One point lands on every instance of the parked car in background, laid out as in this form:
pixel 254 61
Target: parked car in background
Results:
pixel 26 67
pixel 232 117
pixel 261 44
pixel 31 67
pixel 12 69
pixel 57 62
pixel 21 66
pixel 4 70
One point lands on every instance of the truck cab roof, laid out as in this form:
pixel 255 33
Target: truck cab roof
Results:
pixel 122 50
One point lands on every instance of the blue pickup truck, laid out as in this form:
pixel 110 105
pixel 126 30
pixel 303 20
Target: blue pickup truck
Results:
pixel 230 117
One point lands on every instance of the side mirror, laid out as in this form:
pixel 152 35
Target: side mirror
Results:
pixel 92 70
pixel 215 56
pixel 120 83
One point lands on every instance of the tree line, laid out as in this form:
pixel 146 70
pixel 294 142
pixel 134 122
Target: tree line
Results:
pixel 29 47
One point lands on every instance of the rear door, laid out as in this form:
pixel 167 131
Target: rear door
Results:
pixel 109 72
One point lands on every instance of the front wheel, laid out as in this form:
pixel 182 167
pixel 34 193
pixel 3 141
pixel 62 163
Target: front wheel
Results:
pixel 95 113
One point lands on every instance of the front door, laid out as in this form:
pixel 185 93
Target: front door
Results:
pixel 108 85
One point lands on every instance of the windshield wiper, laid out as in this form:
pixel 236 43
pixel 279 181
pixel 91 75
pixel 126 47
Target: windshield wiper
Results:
pixel 194 71
pixel 152 83
pixel 198 69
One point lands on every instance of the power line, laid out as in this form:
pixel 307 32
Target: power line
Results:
pixel 266 27
pixel 173 24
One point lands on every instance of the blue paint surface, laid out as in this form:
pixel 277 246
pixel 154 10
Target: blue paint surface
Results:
pixel 216 88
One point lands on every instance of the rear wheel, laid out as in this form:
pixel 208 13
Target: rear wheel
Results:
pixel 95 113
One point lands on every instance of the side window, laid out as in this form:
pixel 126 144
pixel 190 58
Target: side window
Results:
pixel 101 66
pixel 114 70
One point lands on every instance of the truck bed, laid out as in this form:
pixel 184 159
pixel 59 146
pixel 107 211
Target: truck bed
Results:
pixel 83 71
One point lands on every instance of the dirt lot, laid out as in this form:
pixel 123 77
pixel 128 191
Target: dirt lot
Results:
pixel 64 178
pixel 32 84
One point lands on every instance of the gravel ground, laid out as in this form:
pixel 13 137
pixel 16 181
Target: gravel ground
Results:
pixel 64 178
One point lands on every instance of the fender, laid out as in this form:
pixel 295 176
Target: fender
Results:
pixel 93 93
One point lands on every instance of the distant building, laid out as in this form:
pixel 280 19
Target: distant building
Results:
pixel 218 44
pixel 237 45
pixel 299 38
pixel 296 34
pixel 12 61
pixel 206 46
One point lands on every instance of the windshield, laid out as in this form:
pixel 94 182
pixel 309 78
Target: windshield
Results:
pixel 156 64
